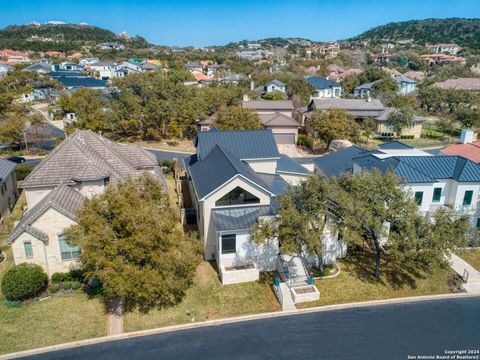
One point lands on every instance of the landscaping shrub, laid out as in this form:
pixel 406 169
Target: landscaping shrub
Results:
pixel 76 285
pixel 53 288
pixel 60 277
pixel 67 285
pixel 302 140
pixel 12 303
pixel 167 166
pixel 23 281
pixel 22 171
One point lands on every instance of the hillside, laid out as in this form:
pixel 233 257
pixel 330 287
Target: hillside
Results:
pixel 464 32
pixel 58 37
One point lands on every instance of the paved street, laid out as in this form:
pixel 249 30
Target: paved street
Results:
pixel 169 155
pixel 386 332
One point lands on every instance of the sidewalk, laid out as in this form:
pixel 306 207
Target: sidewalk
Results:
pixel 473 281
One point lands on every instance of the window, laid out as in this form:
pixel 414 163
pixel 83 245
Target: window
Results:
pixel 478 223
pixel 28 250
pixel 467 198
pixel 437 193
pixel 229 244
pixel 237 196
pixel 68 251
pixel 419 197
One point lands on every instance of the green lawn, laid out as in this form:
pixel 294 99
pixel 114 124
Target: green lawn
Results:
pixel 472 256
pixel 209 299
pixel 357 283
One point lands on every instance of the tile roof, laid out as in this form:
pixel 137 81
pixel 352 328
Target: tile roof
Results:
pixel 472 84
pixel 218 167
pixel 63 198
pixel 268 104
pixel 348 104
pixel 244 144
pixel 86 155
pixel 322 83
pixel 386 113
pixel 337 163
pixel 277 119
pixel 6 168
pixel 470 151
pixel 239 218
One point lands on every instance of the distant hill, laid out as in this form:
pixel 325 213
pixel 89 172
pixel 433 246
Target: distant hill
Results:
pixel 59 37
pixel 463 32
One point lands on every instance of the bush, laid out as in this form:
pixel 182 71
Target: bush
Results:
pixel 76 285
pixel 60 277
pixel 22 171
pixel 23 281
pixel 167 166
pixel 12 303
pixel 53 289
pixel 302 140
pixel 67 285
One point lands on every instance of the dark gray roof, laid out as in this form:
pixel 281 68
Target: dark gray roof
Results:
pixel 277 119
pixel 386 113
pixel 276 105
pixel 394 145
pixel 274 182
pixel 243 144
pixel 322 83
pixel 275 82
pixel 6 168
pixel 84 156
pixel 337 163
pixel 289 165
pixel 241 218
pixel 63 198
pixel 425 169
pixel 218 167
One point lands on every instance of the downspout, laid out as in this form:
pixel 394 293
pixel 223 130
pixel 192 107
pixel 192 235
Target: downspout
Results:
pixel 46 261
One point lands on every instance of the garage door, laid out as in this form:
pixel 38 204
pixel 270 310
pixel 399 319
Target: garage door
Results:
pixel 285 138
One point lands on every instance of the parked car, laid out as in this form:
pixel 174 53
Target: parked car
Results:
pixel 17 159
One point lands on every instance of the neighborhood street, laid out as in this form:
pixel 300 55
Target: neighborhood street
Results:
pixel 382 332
pixel 170 155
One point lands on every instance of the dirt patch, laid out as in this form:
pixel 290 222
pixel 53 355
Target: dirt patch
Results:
pixel 304 290
pixel 240 267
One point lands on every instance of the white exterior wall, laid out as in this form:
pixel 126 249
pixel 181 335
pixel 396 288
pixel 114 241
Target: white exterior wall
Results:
pixel 47 255
pixel 207 229
pixel 263 166
pixel 91 188
pixel 34 195
pixel 293 179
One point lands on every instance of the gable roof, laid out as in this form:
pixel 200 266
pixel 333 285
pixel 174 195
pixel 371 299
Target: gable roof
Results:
pixel 290 165
pixel 320 83
pixel 84 156
pixel 348 104
pixel 469 151
pixel 268 104
pixel 276 83
pixel 339 162
pixel 217 168
pixel 6 168
pixel 63 199
pixel 243 144
pixel 278 119
pixel 472 84
pixel 239 218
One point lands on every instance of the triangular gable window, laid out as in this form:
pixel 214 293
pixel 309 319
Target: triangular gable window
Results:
pixel 237 196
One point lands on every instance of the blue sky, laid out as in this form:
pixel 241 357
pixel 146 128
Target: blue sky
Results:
pixel 215 22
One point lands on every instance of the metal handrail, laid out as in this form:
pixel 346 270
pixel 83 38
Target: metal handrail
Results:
pixel 465 276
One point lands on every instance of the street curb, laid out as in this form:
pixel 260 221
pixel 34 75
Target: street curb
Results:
pixel 232 320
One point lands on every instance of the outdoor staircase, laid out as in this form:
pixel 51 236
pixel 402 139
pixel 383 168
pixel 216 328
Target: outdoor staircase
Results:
pixel 287 299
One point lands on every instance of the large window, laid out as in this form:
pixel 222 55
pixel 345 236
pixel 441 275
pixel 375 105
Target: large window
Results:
pixel 437 193
pixel 68 251
pixel 28 250
pixel 229 244
pixel 419 197
pixel 237 196
pixel 467 198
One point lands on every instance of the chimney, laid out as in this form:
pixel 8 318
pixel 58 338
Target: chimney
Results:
pixel 246 98
pixel 369 99
pixel 466 136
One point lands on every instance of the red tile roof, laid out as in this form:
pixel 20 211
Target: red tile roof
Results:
pixel 470 151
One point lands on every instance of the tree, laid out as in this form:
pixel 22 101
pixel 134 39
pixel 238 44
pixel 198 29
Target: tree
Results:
pixel 132 241
pixel 332 125
pixel 237 118
pixel 12 128
pixel 274 96
pixel 302 217
pixel 88 106
pixel 469 118
pixel 369 127
pixel 400 119
pixel 386 85
pixel 378 211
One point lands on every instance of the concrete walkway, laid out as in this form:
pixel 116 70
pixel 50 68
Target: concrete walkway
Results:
pixel 473 281
pixel 115 317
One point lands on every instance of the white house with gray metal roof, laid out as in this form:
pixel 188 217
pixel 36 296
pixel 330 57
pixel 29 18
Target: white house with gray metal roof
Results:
pixel 234 180
pixel 80 167
pixel 8 187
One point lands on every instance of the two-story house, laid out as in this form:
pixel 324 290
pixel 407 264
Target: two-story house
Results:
pixel 234 180
pixel 324 88
pixel 273 86
pixel 82 166
pixel 8 187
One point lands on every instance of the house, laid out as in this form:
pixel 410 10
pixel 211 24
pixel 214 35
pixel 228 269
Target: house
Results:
pixel 39 68
pixel 276 115
pixel 415 75
pixel 254 54
pixel 105 69
pixel 340 76
pixel 79 168
pixel 234 179
pixel 361 109
pixel 73 80
pixel 68 66
pixel 468 84
pixel 88 61
pixel 405 86
pixel 194 67
pixel 111 46
pixel 470 151
pixel 324 88
pixel 451 49
pixel 273 86
pixel 443 59
pixel 8 187
pixel 5 69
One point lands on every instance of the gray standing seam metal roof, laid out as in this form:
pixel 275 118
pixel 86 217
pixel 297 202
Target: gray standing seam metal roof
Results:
pixel 6 168
pixel 275 82
pixel 63 198
pixel 268 104
pixel 245 144
pixel 218 167
pixel 241 218
pixel 287 164
pixel 322 83
pixel 394 145
pixel 278 119
pixel 337 163
pixel 275 183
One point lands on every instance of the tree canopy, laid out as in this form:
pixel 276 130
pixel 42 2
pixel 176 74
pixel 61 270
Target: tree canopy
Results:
pixel 237 118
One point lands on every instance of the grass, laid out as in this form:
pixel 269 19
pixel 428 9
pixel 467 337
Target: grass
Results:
pixel 209 299
pixel 471 256
pixel 59 319
pixel 356 283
